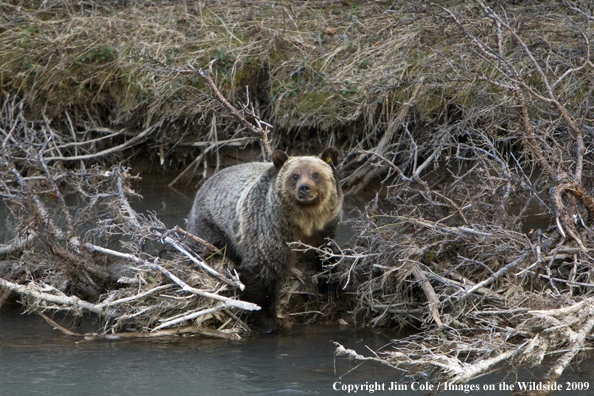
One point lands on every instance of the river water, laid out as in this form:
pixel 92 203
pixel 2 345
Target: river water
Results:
pixel 36 360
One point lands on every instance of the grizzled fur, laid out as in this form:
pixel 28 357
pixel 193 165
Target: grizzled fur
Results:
pixel 255 209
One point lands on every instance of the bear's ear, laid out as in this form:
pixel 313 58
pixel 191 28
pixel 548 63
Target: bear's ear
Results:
pixel 330 156
pixel 279 158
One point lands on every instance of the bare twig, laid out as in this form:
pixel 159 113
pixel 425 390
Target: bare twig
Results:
pixel 135 140
pixel 495 276
pixel 197 260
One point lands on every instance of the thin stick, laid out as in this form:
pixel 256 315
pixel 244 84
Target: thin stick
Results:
pixel 432 299
pixel 235 282
pixel 262 133
pixel 495 276
pixel 190 316
pixel 210 247
pixel 111 150
pixel 56 326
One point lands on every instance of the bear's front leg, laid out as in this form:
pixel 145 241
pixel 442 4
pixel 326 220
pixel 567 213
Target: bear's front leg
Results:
pixel 262 287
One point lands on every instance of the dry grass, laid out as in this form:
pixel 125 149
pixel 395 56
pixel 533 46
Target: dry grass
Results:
pixel 332 67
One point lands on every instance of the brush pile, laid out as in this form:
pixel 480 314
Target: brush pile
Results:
pixel 81 248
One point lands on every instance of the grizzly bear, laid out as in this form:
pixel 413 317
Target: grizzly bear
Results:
pixel 256 209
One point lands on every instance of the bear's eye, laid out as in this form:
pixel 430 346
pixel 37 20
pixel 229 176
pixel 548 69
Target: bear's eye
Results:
pixel 314 175
pixel 295 176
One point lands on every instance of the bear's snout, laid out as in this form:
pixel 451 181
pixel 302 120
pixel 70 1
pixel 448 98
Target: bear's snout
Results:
pixel 304 190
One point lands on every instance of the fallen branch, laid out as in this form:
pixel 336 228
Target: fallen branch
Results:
pixel 262 133
pixel 56 326
pixel 466 372
pixel 17 244
pixel 197 260
pixel 261 130
pixel 495 276
pixel 350 353
pixel 432 300
pixel 36 292
pixel 228 301
pixel 135 140
pixel 190 316
pixel 209 247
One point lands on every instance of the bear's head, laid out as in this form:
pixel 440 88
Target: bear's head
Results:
pixel 308 180
pixel 309 188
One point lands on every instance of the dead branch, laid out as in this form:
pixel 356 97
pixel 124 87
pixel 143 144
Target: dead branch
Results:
pixel 56 326
pixel 432 299
pixel 367 171
pixel 73 238
pixel 190 316
pixel 197 260
pixel 467 372
pixel 496 275
pixel 210 249
pixel 42 293
pixel 133 141
pixel 261 130
pixel 228 301
pixel 17 245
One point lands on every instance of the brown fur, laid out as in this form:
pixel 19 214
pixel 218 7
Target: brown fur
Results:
pixel 255 209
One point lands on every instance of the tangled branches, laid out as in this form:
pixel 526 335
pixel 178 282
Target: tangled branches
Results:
pixel 499 223
pixel 77 235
